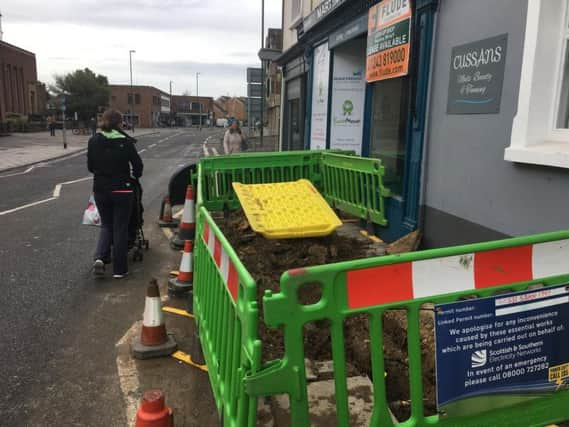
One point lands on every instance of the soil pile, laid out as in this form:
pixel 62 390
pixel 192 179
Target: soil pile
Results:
pixel 266 260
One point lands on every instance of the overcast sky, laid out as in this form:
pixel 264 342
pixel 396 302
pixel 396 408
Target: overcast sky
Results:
pixel 173 39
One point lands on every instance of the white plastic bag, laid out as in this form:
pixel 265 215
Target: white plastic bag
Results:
pixel 91 214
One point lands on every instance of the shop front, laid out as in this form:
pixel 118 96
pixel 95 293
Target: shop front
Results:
pixel 367 90
pixel 294 102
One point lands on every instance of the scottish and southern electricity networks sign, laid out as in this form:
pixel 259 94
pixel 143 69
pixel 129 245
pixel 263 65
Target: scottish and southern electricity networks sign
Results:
pixel 503 350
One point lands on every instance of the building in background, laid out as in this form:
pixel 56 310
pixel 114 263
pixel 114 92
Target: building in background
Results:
pixel 151 106
pixel 231 108
pixel 21 95
pixel 273 81
pixel 193 110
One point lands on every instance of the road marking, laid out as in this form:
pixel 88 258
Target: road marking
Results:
pixel 55 195
pixel 152 146
pixel 28 170
pixel 214 151
pixel 186 358
pixel 142 151
pixel 128 374
pixel 29 205
pixel 178 311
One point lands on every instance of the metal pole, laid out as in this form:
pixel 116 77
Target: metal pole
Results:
pixel 262 72
pixel 170 115
pixel 130 52
pixel 197 95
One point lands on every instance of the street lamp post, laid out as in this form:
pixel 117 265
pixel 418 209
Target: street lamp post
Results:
pixel 170 115
pixel 262 73
pixel 130 52
pixel 197 95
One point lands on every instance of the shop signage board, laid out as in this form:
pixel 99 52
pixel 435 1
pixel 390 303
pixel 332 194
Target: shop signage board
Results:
pixel 320 12
pixel 320 84
pixel 388 42
pixel 348 32
pixel 502 350
pixel 348 97
pixel 476 76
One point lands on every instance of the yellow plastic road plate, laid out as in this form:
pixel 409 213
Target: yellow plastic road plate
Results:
pixel 286 210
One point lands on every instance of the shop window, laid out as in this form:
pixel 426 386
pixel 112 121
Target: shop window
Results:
pixel 540 129
pixel 389 129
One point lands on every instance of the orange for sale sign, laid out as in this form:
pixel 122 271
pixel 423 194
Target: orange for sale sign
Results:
pixel 388 41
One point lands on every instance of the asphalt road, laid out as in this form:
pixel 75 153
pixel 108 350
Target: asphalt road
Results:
pixel 59 325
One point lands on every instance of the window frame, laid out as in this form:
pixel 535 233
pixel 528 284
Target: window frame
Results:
pixel 563 55
pixel 295 20
pixel 535 138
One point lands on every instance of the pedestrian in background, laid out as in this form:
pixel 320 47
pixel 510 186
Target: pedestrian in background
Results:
pixel 93 125
pixel 113 159
pixel 234 141
pixel 51 125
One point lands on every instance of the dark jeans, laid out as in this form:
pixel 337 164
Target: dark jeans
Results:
pixel 114 209
pixel 52 130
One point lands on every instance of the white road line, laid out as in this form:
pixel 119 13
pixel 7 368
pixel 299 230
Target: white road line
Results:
pixel 142 151
pixel 55 195
pixel 28 170
pixel 77 180
pixel 128 374
pixel 152 146
pixel 29 205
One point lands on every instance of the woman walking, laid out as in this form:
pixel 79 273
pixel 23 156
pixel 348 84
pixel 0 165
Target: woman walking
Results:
pixel 234 141
pixel 113 159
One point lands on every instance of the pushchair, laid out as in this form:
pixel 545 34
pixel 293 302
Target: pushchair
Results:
pixel 136 240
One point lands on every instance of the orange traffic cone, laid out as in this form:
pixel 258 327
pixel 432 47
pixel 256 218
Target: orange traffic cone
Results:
pixel 183 283
pixel 166 219
pixel 153 340
pixel 186 231
pixel 153 411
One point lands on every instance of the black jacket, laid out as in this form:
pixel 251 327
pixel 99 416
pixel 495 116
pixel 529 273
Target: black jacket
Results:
pixel 110 157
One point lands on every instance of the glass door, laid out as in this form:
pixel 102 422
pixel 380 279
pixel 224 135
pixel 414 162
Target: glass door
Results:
pixel 389 128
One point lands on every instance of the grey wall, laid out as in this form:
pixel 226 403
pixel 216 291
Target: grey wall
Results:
pixel 468 184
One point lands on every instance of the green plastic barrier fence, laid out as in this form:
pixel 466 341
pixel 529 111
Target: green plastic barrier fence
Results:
pixel 218 173
pixel 355 185
pixel 372 286
pixel 349 183
pixel 225 306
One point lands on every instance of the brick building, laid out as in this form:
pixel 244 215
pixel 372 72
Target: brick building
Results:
pixel 228 107
pixel 188 109
pixel 151 106
pixel 19 84
pixel 273 83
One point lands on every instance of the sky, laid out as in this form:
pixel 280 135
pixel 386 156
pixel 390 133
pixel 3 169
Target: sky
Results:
pixel 173 40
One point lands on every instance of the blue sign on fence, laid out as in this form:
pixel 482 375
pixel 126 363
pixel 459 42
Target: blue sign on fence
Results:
pixel 503 350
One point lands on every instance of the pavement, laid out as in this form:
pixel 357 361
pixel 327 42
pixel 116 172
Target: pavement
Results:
pixel 26 149
pixel 65 356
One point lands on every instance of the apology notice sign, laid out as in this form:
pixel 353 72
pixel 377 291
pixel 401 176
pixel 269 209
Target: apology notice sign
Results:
pixel 502 350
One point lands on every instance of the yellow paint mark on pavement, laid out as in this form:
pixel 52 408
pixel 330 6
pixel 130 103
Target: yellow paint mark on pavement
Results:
pixel 178 311
pixel 186 358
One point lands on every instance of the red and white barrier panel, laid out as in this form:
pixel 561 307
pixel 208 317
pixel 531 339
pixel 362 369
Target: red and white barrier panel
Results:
pixel 418 279
pixel 224 264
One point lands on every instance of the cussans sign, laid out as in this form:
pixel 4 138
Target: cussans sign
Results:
pixel 388 43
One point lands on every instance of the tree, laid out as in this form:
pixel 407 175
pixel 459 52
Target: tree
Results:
pixel 85 92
